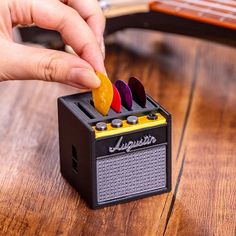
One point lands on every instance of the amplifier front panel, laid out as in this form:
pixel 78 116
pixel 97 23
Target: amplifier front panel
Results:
pixel 132 173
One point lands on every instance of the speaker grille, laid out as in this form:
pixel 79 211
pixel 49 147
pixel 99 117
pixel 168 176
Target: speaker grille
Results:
pixel 131 173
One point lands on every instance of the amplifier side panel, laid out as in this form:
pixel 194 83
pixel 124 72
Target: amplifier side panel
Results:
pixel 75 152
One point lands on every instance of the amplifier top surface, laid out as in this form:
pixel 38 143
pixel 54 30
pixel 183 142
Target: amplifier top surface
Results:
pixel 81 105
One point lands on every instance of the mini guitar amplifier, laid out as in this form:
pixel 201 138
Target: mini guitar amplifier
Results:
pixel 114 158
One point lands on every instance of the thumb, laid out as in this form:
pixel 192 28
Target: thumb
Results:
pixel 21 62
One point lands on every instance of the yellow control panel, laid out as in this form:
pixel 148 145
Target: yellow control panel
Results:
pixel 107 129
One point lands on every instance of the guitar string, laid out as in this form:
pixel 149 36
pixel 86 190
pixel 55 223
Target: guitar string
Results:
pixel 229 11
pixel 211 5
pixel 201 11
pixel 225 2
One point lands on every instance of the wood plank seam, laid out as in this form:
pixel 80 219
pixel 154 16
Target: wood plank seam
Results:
pixel 191 94
pixel 128 218
pixel 163 209
pixel 175 193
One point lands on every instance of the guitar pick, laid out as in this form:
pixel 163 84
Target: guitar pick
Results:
pixel 103 96
pixel 138 91
pixel 116 102
pixel 125 94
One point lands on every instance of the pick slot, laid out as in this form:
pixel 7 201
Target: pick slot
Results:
pixel 150 103
pixel 84 110
pixel 123 110
pixel 90 109
pixel 112 112
pixel 136 106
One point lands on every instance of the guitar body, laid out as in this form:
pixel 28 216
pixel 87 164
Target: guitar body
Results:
pixel 173 23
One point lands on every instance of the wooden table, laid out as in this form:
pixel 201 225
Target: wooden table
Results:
pixel 195 81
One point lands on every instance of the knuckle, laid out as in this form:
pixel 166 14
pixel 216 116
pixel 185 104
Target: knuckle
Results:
pixel 48 67
pixel 87 47
pixel 68 18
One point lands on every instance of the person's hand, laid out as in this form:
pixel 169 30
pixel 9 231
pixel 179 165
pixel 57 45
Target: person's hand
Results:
pixel 81 24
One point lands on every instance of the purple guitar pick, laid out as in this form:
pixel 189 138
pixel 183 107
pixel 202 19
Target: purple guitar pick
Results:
pixel 138 91
pixel 125 94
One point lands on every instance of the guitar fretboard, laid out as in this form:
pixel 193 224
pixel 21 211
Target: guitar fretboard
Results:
pixel 217 12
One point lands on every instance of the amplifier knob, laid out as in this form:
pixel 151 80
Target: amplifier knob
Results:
pixel 132 120
pixel 101 126
pixel 152 116
pixel 116 123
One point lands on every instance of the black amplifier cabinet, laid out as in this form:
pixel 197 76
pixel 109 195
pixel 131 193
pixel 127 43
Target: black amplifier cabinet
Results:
pixel 114 158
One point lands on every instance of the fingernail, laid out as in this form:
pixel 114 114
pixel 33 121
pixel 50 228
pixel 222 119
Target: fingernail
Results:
pixel 103 49
pixel 101 42
pixel 70 50
pixel 84 77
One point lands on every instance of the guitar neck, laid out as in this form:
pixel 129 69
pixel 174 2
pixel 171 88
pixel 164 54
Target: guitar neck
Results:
pixel 217 12
pixel 214 20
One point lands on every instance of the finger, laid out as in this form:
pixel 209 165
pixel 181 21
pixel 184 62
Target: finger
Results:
pixel 47 65
pixel 92 14
pixel 57 16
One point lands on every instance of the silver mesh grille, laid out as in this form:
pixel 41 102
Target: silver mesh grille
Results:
pixel 131 173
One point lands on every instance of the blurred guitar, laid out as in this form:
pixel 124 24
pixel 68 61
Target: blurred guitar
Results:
pixel 213 20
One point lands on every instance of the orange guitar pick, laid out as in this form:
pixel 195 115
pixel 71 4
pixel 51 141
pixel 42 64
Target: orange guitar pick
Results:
pixel 103 96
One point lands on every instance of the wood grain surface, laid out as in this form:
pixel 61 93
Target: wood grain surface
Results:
pixel 195 81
